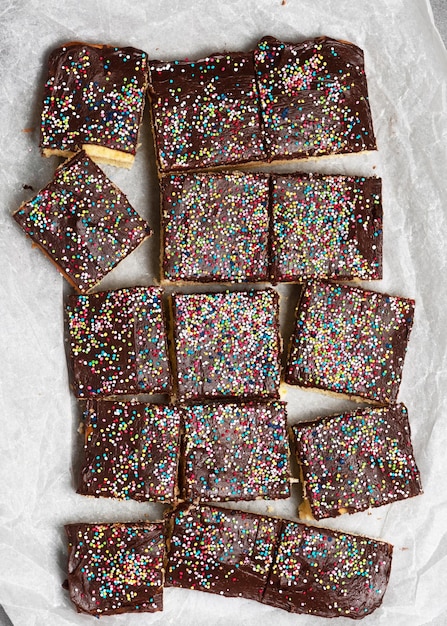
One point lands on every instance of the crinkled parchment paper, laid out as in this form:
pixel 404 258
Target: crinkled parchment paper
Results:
pixel 407 72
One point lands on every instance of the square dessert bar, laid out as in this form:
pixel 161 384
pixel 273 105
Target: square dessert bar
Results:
pixel 356 460
pixel 117 343
pixel 327 573
pixel 314 98
pixel 236 451
pixel 82 222
pixel 351 341
pixel 116 568
pixel 227 345
pixel 326 227
pixel 221 551
pixel 215 227
pixel 93 99
pixel 287 565
pixel 205 113
pixel 131 451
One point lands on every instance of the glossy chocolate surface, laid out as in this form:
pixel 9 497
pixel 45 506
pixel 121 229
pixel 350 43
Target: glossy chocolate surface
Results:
pixel 131 451
pixel 205 113
pixel 82 222
pixel 215 227
pixel 357 460
pixel 93 95
pixel 326 227
pixel 221 551
pixel 236 451
pixel 351 341
pixel 117 343
pixel 328 573
pixel 314 98
pixel 116 568
pixel 227 345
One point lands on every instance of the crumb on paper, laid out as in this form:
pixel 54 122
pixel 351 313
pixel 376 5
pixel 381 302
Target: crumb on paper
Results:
pixel 28 130
pixel 283 3
pixel 28 187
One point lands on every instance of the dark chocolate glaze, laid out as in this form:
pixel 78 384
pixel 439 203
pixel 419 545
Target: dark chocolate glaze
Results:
pixel 227 345
pixel 94 94
pixel 314 98
pixel 287 565
pixel 236 451
pixel 82 222
pixel 357 460
pixel 221 551
pixel 205 113
pixel 117 343
pixel 326 227
pixel 131 451
pixel 351 341
pixel 116 568
pixel 328 573
pixel 215 227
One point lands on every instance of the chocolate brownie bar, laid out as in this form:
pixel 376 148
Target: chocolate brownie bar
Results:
pixel 205 113
pixel 215 227
pixel 116 568
pixel 227 345
pixel 117 343
pixel 82 222
pixel 356 460
pixel 351 341
pixel 314 98
pixel 93 99
pixel 236 451
pixel 221 551
pixel 326 227
pixel 287 565
pixel 131 451
pixel 327 573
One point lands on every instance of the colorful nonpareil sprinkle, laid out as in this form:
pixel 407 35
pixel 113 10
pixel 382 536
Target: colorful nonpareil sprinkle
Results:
pixel 326 227
pixel 227 344
pixel 236 451
pixel 116 568
pixel 314 98
pixel 205 113
pixel 357 460
pixel 221 551
pixel 117 343
pixel 82 222
pixel 93 95
pixel 215 227
pixel 131 451
pixel 327 573
pixel 350 341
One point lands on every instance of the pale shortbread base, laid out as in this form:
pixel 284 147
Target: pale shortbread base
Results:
pixel 99 154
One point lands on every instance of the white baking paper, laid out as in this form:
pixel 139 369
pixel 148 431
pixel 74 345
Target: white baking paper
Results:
pixel 407 75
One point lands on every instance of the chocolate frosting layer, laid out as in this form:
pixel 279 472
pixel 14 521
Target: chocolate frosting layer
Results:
pixel 116 568
pixel 349 340
pixel 357 460
pixel 117 343
pixel 314 98
pixel 236 451
pixel 131 451
pixel 205 113
pixel 221 551
pixel 227 345
pixel 326 227
pixel 288 565
pixel 328 573
pixel 215 227
pixel 94 94
pixel 82 222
